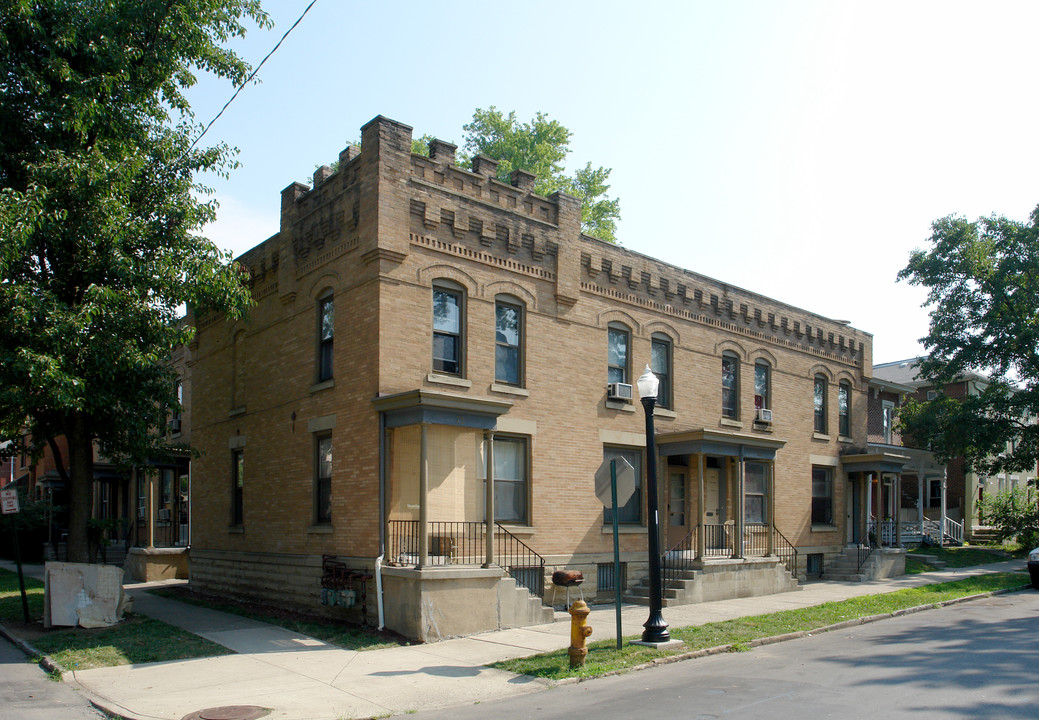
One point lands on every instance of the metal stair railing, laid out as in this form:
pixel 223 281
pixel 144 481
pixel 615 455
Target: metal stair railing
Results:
pixel 866 544
pixel 520 561
pixel 785 550
pixel 678 559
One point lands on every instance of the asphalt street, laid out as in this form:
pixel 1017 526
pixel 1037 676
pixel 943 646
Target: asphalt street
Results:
pixel 26 693
pixel 975 660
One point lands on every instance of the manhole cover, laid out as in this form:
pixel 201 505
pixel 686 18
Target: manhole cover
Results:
pixel 229 712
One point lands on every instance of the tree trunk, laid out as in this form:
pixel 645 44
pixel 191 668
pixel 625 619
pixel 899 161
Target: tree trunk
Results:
pixel 81 486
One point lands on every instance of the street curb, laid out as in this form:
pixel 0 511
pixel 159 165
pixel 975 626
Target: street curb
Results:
pixel 45 661
pixel 843 625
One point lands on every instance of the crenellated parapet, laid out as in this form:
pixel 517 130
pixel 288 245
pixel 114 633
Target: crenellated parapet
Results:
pixel 622 275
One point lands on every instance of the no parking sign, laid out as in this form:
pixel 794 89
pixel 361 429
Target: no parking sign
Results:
pixel 9 501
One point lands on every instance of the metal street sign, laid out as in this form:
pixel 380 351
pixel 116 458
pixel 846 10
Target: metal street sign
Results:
pixel 625 482
pixel 9 499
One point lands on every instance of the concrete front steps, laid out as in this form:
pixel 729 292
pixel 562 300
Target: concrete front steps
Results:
pixel 721 579
pixel 882 562
pixel 518 607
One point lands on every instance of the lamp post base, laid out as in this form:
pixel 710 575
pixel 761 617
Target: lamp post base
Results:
pixel 655 629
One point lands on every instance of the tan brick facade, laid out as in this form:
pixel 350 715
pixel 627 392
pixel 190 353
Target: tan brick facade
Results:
pixel 376 236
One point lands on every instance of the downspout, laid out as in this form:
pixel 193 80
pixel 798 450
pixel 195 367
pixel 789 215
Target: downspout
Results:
pixel 382 520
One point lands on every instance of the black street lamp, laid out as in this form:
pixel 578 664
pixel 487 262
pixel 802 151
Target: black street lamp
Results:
pixel 655 628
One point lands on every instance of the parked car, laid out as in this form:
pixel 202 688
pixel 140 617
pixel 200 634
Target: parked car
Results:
pixel 1033 567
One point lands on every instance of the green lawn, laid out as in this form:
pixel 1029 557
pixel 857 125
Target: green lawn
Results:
pixel 954 557
pixel 603 656
pixel 137 639
pixel 332 632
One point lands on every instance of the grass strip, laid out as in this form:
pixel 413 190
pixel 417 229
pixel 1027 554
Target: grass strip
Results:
pixel 137 639
pixel 603 656
pixel 349 637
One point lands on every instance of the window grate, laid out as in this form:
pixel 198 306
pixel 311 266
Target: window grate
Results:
pixel 606 580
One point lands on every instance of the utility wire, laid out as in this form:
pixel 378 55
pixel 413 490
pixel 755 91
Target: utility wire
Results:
pixel 251 76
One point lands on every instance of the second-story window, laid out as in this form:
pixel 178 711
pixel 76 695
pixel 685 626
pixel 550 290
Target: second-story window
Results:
pixel 619 339
pixel 844 409
pixel 762 380
pixel 447 330
pixel 237 486
pixel 323 480
pixel 660 355
pixel 730 386
pixel 326 332
pixel 888 419
pixel 819 401
pixel 508 342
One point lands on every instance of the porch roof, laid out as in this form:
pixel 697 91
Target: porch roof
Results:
pixel 875 461
pixel 439 408
pixel 718 442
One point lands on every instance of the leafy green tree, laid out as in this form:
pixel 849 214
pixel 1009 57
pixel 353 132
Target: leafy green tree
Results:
pixel 541 146
pixel 1014 515
pixel 99 220
pixel 983 290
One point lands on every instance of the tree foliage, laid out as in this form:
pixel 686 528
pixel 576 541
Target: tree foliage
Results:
pixel 541 147
pixel 983 290
pixel 99 219
pixel 1014 514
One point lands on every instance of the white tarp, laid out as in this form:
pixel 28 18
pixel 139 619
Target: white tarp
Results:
pixel 83 594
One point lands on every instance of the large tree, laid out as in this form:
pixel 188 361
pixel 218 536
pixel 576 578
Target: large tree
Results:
pixel 541 146
pixel 100 218
pixel 983 290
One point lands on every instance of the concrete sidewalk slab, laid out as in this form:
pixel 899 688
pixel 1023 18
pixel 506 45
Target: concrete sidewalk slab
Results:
pixel 299 677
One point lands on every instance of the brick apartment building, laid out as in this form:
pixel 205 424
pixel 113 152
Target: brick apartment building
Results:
pixel 419 328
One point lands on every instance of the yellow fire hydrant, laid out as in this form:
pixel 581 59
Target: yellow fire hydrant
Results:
pixel 579 630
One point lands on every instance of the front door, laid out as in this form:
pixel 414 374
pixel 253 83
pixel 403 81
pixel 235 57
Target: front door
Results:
pixel 713 515
pixel 852 512
pixel 677 515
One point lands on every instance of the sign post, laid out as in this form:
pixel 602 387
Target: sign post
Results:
pixel 9 505
pixel 621 484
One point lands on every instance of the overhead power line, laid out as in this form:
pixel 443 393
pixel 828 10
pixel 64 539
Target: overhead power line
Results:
pixel 251 76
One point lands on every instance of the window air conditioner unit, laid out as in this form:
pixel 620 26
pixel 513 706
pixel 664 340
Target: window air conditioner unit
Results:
pixel 764 416
pixel 618 391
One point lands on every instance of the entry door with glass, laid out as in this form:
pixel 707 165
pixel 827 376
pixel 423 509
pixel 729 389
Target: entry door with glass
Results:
pixel 677 523
pixel 714 516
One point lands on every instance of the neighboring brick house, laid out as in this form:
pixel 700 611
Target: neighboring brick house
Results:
pixel 963 489
pixel 418 327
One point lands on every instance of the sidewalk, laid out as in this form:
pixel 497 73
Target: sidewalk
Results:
pixel 301 678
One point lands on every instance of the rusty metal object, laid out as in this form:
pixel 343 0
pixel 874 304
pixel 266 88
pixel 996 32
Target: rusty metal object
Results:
pixel 567 578
pixel 229 712
pixel 579 631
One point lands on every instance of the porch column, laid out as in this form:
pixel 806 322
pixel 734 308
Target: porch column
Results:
pixel 701 525
pixel 738 545
pixel 941 524
pixel 898 509
pixel 151 510
pixel 770 505
pixel 423 498
pixel 869 502
pixel 920 499
pixel 489 500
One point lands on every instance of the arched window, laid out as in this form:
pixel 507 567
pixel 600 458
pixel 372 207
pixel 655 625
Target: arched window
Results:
pixel 509 321
pixel 448 328
pixel 325 335
pixel 660 362
pixel 730 386
pixel 819 400
pixel 619 345
pixel 844 408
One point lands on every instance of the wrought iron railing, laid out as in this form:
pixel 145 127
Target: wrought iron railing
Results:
pixel 520 561
pixel 866 543
pixel 785 550
pixel 464 543
pixel 718 541
pixel 678 558
pixel 681 557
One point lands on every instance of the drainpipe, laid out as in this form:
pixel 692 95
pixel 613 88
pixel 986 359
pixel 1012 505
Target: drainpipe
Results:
pixel 382 520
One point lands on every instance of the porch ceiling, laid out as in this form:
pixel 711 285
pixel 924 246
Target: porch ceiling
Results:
pixel 718 442
pixel 440 408
pixel 876 461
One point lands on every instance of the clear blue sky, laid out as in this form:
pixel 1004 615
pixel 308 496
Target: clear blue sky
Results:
pixel 799 149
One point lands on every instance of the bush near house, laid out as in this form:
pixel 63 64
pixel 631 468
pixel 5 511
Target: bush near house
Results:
pixel 1014 514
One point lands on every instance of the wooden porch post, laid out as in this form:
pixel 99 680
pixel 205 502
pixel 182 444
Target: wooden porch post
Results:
pixel 738 526
pixel 770 499
pixel 423 498
pixel 701 525
pixel 898 509
pixel 489 513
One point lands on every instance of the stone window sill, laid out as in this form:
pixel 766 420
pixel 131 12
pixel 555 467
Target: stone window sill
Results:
pixel 235 530
pixel 237 411
pixel 509 390
pixel 824 528
pixel 821 436
pixel 625 529
pixel 726 422
pixel 664 413
pixel 322 529
pixel 323 385
pixel 619 405
pixel 448 380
